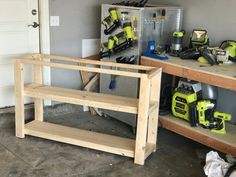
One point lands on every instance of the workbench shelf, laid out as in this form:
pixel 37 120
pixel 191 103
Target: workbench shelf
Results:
pixel 146 106
pixel 220 76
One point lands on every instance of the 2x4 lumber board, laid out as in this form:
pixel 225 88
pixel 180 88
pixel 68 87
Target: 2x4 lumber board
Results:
pixel 19 94
pixel 150 148
pixel 221 76
pixel 38 103
pixel 153 107
pixel 101 63
pixel 98 100
pixel 224 143
pixel 153 116
pixel 83 68
pixel 153 73
pixel 142 121
pixel 92 84
pixel 84 138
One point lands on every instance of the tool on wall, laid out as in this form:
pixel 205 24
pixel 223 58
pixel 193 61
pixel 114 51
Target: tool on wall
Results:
pixel 141 3
pixel 162 20
pixel 127 60
pixel 119 42
pixel 177 43
pixel 127 35
pixel 107 48
pixel 111 22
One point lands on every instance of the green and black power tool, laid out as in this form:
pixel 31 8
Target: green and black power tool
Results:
pixel 177 43
pixel 119 42
pixel 185 99
pixel 230 46
pixel 199 38
pixel 211 119
pixel 111 22
pixel 107 47
pixel 124 39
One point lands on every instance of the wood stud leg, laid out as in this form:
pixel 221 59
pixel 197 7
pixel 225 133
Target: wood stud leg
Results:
pixel 142 122
pixel 153 116
pixel 38 102
pixel 19 92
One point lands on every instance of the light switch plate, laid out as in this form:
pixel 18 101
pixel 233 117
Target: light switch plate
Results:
pixel 54 21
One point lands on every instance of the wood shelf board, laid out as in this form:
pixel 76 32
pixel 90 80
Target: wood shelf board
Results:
pixel 224 143
pixel 84 138
pixel 98 100
pixel 219 75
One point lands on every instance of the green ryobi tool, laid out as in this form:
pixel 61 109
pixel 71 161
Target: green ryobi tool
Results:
pixel 211 119
pixel 230 46
pixel 177 42
pixel 184 100
pixel 127 35
pixel 118 42
pixel 111 22
pixel 107 47
pixel 199 38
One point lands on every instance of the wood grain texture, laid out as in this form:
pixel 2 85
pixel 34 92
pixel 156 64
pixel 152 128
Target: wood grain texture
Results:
pixel 142 121
pixel 84 138
pixel 223 76
pixel 94 62
pixel 83 68
pixel 103 101
pixel 19 95
pixel 38 103
pixel 224 143
pixel 153 116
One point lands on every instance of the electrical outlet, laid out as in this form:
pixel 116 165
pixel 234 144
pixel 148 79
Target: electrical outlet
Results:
pixel 54 21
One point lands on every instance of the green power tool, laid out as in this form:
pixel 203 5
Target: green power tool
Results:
pixel 184 100
pixel 199 38
pixel 230 46
pixel 111 22
pixel 118 42
pixel 177 40
pixel 211 119
pixel 128 37
pixel 107 47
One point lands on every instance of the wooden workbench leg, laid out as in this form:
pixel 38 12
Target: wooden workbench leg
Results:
pixel 19 94
pixel 142 121
pixel 153 117
pixel 38 103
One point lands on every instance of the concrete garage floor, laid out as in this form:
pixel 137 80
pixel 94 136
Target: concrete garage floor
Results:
pixel 34 157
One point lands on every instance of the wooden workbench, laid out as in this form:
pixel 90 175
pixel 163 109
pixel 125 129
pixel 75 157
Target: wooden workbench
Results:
pixel 223 76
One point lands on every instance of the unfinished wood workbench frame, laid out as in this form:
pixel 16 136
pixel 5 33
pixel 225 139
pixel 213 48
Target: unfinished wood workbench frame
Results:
pixel 147 106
